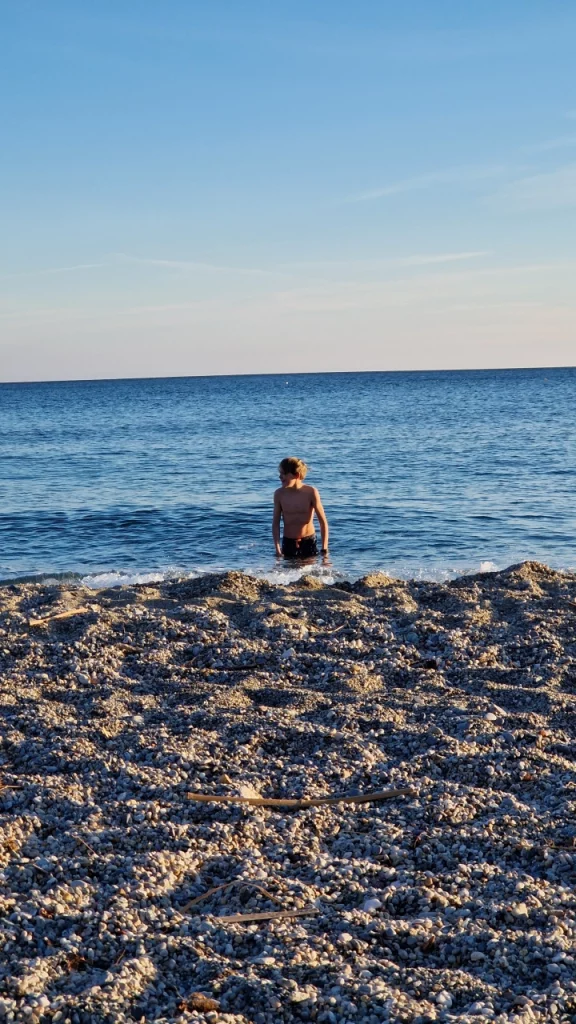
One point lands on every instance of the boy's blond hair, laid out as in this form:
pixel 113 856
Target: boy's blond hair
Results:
pixel 294 466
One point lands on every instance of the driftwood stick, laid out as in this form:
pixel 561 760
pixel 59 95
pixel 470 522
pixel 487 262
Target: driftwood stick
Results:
pixel 223 668
pixel 268 895
pixel 205 896
pixel 59 615
pixel 298 805
pixel 84 843
pixel 274 915
pixel 238 668
pixel 242 882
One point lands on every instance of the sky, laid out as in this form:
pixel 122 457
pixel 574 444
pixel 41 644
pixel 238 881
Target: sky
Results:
pixel 253 187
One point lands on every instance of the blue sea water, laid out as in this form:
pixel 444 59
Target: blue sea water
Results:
pixel 422 474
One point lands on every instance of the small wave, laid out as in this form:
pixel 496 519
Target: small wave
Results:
pixel 280 574
pixel 104 580
pixel 430 573
pixel 43 577
pixel 283 576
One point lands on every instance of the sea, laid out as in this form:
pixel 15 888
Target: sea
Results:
pixel 424 475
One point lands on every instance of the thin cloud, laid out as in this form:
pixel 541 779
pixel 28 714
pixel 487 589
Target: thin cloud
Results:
pixel 449 176
pixel 193 265
pixel 563 142
pixel 425 290
pixel 445 257
pixel 420 260
pixel 481 286
pixel 549 191
pixel 61 312
pixel 46 271
pixel 281 271
pixel 116 259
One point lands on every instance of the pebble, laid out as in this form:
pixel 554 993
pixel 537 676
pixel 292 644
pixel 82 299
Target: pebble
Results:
pixel 371 905
pixel 451 903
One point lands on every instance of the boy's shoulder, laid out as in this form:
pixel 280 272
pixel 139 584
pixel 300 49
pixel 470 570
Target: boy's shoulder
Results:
pixel 309 492
pixel 305 489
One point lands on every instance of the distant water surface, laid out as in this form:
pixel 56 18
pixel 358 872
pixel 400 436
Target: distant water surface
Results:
pixel 422 474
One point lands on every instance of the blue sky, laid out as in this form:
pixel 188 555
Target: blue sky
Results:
pixel 253 187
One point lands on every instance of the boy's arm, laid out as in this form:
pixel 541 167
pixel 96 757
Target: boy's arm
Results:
pixel 276 523
pixel 321 517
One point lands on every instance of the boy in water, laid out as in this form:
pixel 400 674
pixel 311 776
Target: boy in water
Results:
pixel 296 502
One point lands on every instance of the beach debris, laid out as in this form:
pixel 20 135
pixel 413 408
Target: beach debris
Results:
pixel 238 668
pixel 300 804
pixel 242 882
pixel 273 915
pixel 68 614
pixel 198 1002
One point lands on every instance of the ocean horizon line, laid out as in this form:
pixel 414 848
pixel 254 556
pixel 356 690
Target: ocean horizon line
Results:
pixel 280 373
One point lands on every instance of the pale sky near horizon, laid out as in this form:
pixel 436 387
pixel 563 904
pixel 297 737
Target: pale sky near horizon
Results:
pixel 194 188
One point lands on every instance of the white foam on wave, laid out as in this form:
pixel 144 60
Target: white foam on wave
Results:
pixel 283 576
pixel 104 580
pixel 432 573
pixel 278 575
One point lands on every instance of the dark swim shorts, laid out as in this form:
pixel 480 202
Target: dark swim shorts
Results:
pixel 306 547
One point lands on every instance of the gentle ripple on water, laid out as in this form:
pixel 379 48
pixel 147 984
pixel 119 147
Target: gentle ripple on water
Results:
pixel 424 474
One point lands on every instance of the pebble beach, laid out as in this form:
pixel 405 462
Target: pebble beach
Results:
pixel 424 734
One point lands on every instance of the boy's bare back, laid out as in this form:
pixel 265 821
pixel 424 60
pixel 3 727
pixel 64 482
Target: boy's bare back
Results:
pixel 297 506
pixel 294 505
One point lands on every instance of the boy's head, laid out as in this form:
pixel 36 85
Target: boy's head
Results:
pixel 292 467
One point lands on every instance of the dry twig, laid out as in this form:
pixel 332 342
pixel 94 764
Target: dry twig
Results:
pixel 238 668
pixel 228 885
pixel 222 668
pixel 84 843
pixel 274 915
pixel 59 615
pixel 300 805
